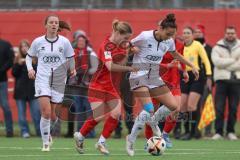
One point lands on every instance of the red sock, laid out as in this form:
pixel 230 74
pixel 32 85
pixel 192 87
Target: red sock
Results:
pixel 89 124
pixel 109 126
pixel 169 124
pixel 148 131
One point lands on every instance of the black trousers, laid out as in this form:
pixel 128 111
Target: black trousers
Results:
pixel 128 103
pixel 231 91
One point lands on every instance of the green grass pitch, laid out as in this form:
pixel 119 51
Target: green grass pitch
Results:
pixel 63 149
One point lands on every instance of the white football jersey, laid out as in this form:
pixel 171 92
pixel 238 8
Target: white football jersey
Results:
pixel 151 52
pixel 52 57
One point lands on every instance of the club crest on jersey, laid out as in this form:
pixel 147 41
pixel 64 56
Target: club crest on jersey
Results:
pixel 163 48
pixel 39 91
pixel 60 49
pixel 107 55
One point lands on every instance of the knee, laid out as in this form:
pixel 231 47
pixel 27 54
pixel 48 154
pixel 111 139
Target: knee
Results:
pixel 191 109
pixel 46 114
pixel 178 109
pixel 148 107
pixel 116 115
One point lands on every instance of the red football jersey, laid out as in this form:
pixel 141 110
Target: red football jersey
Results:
pixel 171 76
pixel 103 78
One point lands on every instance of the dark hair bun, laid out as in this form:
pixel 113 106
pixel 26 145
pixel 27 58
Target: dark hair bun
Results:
pixel 170 17
pixel 169 21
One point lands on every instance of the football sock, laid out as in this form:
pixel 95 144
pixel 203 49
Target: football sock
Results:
pixel 45 130
pixel 89 124
pixel 109 126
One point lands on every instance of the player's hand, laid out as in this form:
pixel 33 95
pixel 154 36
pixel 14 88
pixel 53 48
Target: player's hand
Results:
pixel 209 83
pixel 196 73
pixel 174 64
pixel 134 49
pixel 185 76
pixel 73 73
pixel 31 74
pixel 133 69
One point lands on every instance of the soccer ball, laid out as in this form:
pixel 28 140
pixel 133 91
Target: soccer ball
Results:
pixel 156 146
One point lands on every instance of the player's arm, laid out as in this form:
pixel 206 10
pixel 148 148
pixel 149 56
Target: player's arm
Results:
pixel 69 54
pixel 32 52
pixel 31 71
pixel 205 60
pixel 179 57
pixel 119 68
pixel 136 43
pixel 111 66
pixel 94 62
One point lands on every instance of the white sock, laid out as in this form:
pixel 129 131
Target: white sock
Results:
pixel 155 128
pixel 139 123
pixel 81 137
pixel 53 124
pixel 102 139
pixel 45 130
pixel 161 114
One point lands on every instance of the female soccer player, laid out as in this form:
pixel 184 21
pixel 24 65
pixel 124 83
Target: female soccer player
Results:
pixel 55 58
pixel 172 78
pixel 104 86
pixel 146 83
pixel 192 91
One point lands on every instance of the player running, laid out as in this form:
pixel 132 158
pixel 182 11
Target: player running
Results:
pixel 147 83
pixel 104 87
pixel 55 58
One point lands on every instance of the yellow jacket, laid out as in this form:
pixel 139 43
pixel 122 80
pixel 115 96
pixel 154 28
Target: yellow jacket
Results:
pixel 193 52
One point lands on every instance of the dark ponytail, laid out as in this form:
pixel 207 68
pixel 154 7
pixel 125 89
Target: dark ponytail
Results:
pixel 169 21
pixel 63 25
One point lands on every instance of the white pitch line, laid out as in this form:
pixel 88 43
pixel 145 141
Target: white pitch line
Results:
pixel 69 148
pixel 138 154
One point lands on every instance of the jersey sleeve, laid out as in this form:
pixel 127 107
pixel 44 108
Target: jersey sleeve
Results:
pixel 32 51
pixel 139 40
pixel 205 59
pixel 180 49
pixel 172 47
pixel 68 49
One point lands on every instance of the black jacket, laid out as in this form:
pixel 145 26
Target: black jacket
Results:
pixel 6 59
pixel 24 87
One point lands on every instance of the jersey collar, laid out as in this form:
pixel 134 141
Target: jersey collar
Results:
pixel 51 41
pixel 154 35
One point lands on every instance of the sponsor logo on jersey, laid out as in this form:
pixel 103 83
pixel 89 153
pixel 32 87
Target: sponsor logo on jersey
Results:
pixel 51 59
pixel 39 91
pixel 153 58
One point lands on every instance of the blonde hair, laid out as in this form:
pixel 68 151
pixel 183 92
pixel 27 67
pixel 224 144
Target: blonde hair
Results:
pixel 121 26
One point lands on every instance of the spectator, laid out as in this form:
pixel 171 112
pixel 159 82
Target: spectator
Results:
pixel 6 62
pixel 199 35
pixel 24 91
pixel 86 65
pixel 225 57
pixel 84 56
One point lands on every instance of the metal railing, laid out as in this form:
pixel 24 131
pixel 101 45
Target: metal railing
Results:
pixel 117 4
